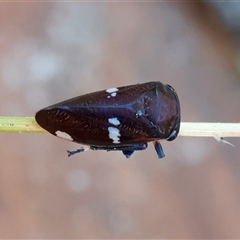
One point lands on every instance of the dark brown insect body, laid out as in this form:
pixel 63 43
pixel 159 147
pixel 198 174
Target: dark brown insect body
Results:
pixel 123 118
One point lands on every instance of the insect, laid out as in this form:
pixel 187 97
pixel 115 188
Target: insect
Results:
pixel 116 119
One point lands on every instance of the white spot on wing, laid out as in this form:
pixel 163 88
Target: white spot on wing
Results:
pixel 114 121
pixel 114 134
pixel 111 90
pixel 63 135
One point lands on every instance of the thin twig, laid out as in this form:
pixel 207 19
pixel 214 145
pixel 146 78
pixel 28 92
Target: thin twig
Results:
pixel 20 125
pixel 201 129
pixel 194 129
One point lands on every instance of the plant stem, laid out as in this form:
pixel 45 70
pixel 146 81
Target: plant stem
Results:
pixel 194 129
pixel 201 129
pixel 20 125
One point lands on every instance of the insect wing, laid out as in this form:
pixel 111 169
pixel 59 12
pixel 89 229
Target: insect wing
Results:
pixel 111 117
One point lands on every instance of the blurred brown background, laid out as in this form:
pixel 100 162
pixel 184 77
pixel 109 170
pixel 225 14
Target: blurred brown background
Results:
pixel 50 52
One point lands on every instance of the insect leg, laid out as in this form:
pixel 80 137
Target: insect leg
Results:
pixel 128 153
pixel 82 149
pixel 127 150
pixel 159 149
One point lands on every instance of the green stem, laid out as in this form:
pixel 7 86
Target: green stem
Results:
pixel 20 125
